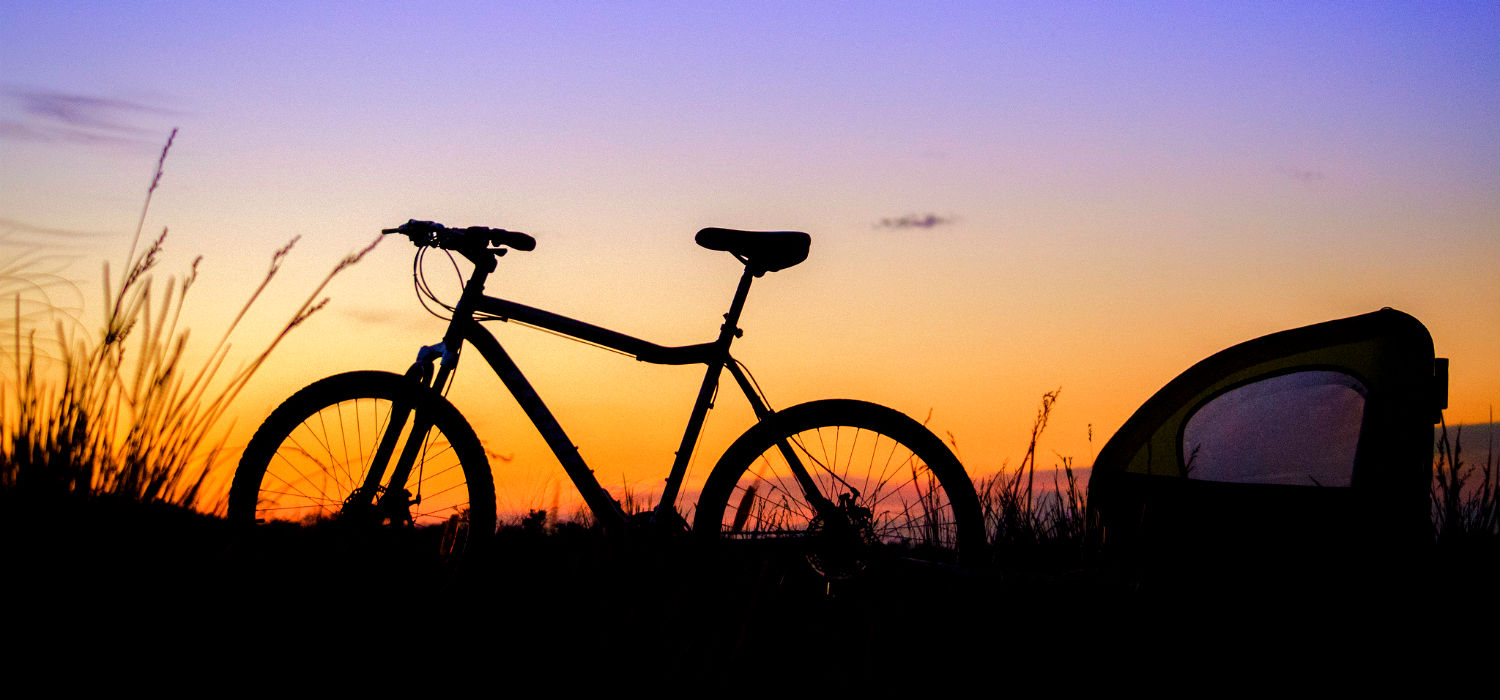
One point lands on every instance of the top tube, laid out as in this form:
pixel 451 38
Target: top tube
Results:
pixel 702 353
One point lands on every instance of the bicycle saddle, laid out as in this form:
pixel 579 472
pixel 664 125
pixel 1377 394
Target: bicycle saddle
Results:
pixel 765 251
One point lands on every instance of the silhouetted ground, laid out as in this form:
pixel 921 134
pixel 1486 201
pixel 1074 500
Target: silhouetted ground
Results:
pixel 575 606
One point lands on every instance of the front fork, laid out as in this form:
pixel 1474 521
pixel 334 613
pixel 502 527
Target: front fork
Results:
pixel 392 503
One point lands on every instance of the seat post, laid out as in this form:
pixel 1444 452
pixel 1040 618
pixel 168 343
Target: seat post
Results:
pixel 730 330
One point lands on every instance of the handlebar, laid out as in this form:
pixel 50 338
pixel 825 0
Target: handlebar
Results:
pixel 436 235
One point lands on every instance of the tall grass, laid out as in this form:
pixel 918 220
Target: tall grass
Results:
pixel 125 415
pixel 1465 498
pixel 32 282
pixel 1020 516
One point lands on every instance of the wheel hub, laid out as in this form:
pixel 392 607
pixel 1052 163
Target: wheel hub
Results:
pixel 842 539
pixel 389 507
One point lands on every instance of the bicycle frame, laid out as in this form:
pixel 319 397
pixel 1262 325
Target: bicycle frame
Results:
pixel 463 328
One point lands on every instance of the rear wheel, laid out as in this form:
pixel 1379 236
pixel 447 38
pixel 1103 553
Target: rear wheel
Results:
pixel 886 488
pixel 310 462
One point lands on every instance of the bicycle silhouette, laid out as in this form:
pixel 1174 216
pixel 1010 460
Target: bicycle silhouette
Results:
pixel 843 481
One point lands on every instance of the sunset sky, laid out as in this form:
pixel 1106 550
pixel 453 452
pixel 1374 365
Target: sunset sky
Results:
pixel 1004 198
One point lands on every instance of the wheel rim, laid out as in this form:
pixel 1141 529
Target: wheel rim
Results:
pixel 323 460
pixel 885 497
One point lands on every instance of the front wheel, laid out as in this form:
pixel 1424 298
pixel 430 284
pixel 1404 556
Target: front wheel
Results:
pixel 312 460
pixel 883 487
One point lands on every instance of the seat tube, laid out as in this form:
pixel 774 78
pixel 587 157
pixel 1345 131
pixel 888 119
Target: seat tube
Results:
pixel 727 333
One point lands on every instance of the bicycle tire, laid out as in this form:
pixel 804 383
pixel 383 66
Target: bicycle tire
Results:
pixel 921 504
pixel 313 451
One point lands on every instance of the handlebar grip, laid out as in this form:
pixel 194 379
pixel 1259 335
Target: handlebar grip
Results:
pixel 521 241
pixel 509 239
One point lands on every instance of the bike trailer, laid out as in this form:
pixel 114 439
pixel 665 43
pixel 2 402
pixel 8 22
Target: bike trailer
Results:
pixel 1311 447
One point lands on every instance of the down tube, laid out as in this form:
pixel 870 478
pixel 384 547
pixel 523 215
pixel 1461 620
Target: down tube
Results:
pixel 603 506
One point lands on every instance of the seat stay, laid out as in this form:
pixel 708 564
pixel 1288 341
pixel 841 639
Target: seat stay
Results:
pixel 794 463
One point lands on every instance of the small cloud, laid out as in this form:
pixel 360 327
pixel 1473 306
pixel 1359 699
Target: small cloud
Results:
pixel 1303 174
pixel 371 316
pixel 915 221
pixel 47 116
pixel 394 318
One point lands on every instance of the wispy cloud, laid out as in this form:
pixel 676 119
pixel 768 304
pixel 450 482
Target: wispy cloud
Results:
pixel 48 116
pixel 391 318
pixel 914 221
pixel 1303 174
pixel 20 233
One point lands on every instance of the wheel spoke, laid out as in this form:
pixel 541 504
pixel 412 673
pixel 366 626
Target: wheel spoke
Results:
pixel 315 450
pixel 900 471
pixel 301 478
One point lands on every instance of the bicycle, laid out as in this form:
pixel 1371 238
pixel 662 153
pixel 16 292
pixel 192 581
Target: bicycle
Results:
pixel 847 481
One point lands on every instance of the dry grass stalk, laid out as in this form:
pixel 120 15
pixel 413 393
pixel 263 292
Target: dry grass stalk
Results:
pixel 128 418
pixel 1017 516
pixel 1461 507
